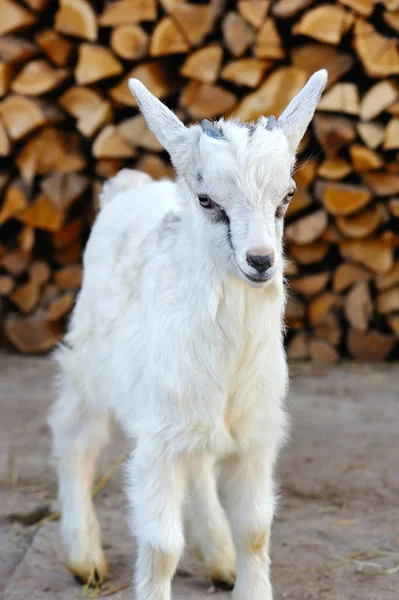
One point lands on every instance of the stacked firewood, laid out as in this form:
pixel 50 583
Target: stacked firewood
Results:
pixel 68 121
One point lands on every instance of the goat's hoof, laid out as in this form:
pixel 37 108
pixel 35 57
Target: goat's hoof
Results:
pixel 222 585
pixel 93 576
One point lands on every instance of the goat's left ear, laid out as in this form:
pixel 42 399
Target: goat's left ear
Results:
pixel 298 114
pixel 168 129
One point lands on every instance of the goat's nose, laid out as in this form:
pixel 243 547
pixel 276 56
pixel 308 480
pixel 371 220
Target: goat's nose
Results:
pixel 260 259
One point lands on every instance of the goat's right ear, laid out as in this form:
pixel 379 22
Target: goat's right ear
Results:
pixel 168 129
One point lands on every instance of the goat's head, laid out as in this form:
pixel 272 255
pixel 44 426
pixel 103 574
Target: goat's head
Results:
pixel 237 176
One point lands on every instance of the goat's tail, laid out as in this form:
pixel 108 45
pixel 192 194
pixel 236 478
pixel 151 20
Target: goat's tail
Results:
pixel 126 179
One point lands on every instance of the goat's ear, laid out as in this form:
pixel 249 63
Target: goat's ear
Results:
pixel 298 114
pixel 168 129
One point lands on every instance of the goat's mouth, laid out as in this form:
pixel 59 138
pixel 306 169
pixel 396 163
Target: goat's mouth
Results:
pixel 259 279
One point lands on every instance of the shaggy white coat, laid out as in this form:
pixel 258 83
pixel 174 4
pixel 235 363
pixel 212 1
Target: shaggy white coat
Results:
pixel 172 337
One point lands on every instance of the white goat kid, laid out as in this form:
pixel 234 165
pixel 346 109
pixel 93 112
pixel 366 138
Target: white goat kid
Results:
pixel 177 334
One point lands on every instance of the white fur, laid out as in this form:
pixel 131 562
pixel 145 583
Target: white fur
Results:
pixel 171 338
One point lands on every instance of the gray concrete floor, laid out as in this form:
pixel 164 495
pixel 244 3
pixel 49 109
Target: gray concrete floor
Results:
pixel 336 535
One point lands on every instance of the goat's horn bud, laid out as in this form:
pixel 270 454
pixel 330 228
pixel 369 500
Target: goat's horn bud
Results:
pixel 272 123
pixel 209 129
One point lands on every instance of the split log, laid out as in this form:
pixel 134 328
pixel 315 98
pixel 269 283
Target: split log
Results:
pixel 391 138
pixel 167 39
pixel 369 346
pixel 129 41
pixel 382 184
pixel 378 99
pixel 309 254
pixel 321 306
pixel 155 167
pixel 310 285
pixel 376 254
pixel 6 73
pixel 5 145
pixel 334 168
pixel 128 11
pixel 305 173
pixel 285 9
pixel 111 144
pixel 77 18
pixel 361 225
pixel 237 34
pixel 6 285
pixel 393 322
pixel 15 50
pixel 23 115
pixel 42 215
pixel 326 23
pixel 15 262
pixel 272 96
pixel 26 297
pixel 16 199
pixel 57 49
pixel 322 352
pixel 388 280
pixel 312 57
pixel 37 78
pixel 60 307
pixel 254 11
pixel 26 239
pixel 359 307
pixel 39 272
pixel 372 134
pixel 69 234
pixel 203 100
pixel 135 131
pixel 195 20
pixel 50 150
pixel 204 64
pixel 108 167
pixel 14 17
pixel 329 330
pixel 347 274
pixel 32 334
pixel 392 19
pixel 37 5
pixel 298 347
pixel 333 133
pixel 63 189
pixel 363 7
pixel 152 75
pixel 364 159
pixel 394 207
pixel 344 199
pixel 379 54
pixel 268 42
pixel 95 63
pixel 295 312
pixel 307 229
pixel 342 97
pixel 69 278
pixel 388 301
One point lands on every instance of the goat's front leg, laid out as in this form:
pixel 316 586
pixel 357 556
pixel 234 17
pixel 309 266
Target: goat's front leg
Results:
pixel 156 491
pixel 248 486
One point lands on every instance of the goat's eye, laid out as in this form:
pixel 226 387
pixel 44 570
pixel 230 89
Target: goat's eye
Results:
pixel 205 201
pixel 290 195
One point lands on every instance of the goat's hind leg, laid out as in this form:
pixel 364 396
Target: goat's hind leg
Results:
pixel 78 436
pixel 208 530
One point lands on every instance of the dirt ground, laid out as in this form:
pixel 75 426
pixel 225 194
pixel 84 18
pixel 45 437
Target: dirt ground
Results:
pixel 336 535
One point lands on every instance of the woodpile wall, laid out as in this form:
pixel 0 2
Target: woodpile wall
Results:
pixel 67 121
